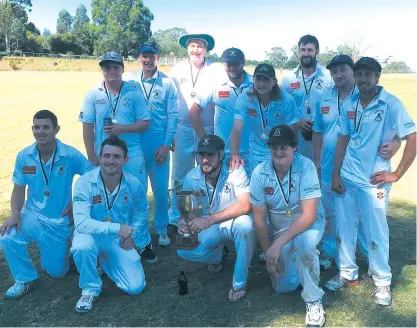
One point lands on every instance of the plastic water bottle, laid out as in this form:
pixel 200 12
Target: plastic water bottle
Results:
pixel 183 283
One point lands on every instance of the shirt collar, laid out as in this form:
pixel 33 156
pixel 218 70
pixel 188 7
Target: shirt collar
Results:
pixel 61 150
pixel 96 179
pixel 247 81
pixel 155 76
pixel 197 174
pixel 269 170
pixel 317 72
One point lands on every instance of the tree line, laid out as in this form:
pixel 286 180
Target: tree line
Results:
pixel 120 25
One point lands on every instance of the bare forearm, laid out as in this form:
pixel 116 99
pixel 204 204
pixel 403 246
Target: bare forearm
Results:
pixel 195 116
pixel 17 202
pixel 259 218
pixel 88 136
pixel 233 211
pixel 138 126
pixel 235 137
pixel 317 146
pixel 341 145
pixel 408 156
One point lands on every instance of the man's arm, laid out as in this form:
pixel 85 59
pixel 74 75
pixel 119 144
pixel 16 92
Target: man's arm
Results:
pixel 235 161
pixel 337 184
pixel 195 116
pixel 88 136
pixel 118 129
pixel 17 202
pixel 259 218
pixel 240 207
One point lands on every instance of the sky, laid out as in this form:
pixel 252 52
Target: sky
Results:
pixel 381 28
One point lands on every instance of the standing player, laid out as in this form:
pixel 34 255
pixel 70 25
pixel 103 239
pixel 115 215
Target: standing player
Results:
pixel 261 107
pixel 190 77
pixel 306 84
pixel 286 190
pixel 110 216
pixel 224 97
pixel 225 214
pixel 325 136
pixel 363 179
pixel 47 168
pixel 162 98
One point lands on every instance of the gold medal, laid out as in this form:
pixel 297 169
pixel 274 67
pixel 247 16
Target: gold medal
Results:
pixel 107 219
pixel 47 193
pixel 193 94
pixel 264 136
pixel 288 212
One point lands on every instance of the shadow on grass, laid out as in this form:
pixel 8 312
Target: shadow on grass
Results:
pixel 51 302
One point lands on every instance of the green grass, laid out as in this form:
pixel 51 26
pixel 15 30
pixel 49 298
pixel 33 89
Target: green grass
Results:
pixel 51 303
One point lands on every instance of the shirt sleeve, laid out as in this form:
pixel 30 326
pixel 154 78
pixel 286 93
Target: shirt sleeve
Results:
pixel 88 112
pixel 172 113
pixel 309 182
pixel 285 84
pixel 204 98
pixel 343 125
pixel 403 124
pixel 318 120
pixel 18 176
pixel 83 221
pixel 292 116
pixel 241 111
pixel 140 214
pixel 80 164
pixel 240 181
pixel 141 108
pixel 257 188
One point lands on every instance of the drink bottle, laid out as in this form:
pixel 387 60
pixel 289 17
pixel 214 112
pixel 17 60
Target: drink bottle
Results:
pixel 183 283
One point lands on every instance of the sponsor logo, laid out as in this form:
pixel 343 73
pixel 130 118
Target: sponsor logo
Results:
pixel 351 115
pixel 224 94
pixel 77 198
pixel 252 112
pixel 295 85
pixel 269 190
pixel 97 199
pixel 312 189
pixel 100 101
pixel 325 109
pixel 409 125
pixel 61 169
pixel 183 80
pixel 29 169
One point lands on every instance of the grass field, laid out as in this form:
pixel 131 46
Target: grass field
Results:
pixel 51 302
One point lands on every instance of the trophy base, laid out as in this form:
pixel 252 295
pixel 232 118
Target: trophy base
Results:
pixel 189 242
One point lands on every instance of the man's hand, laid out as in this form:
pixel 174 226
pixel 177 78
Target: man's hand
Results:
pixel 199 224
pixel 273 270
pixel 114 129
pixel 337 184
pixel 68 210
pixel 381 178
pixel 389 149
pixel 10 223
pixel 127 243
pixel 183 227
pixel 235 161
pixel 161 154
pixel 271 259
pixel 306 125
pixel 125 231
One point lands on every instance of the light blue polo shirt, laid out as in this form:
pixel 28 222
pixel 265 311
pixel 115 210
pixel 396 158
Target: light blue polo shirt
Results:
pixel 230 185
pixel 28 171
pixel 265 190
pixel 224 96
pixel 90 206
pixel 384 117
pixel 327 115
pixel 163 103
pixel 279 112
pixel 181 74
pixel 131 108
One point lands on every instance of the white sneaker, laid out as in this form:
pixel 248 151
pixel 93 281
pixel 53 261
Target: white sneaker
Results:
pixel 17 290
pixel 326 261
pixel 163 240
pixel 261 257
pixel 315 315
pixel 85 303
pixel 382 295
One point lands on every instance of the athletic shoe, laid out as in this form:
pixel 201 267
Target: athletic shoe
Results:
pixel 17 290
pixel 163 240
pixel 326 261
pixel 382 295
pixel 315 315
pixel 148 255
pixel 85 303
pixel 339 282
pixel 261 257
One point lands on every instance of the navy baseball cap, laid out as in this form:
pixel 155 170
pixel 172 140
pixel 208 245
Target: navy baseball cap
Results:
pixel 265 70
pixel 340 59
pixel 233 55
pixel 149 46
pixel 111 57
pixel 210 144
pixel 368 62
pixel 282 135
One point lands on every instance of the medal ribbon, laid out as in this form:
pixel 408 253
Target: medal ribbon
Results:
pixel 47 177
pixel 307 92
pixel 148 95
pixel 281 189
pixel 211 200
pixel 357 128
pixel 338 98
pixel 113 109
pixel 108 205
pixel 198 73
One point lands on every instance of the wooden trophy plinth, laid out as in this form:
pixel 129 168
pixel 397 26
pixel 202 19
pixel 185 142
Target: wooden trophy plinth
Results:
pixel 187 242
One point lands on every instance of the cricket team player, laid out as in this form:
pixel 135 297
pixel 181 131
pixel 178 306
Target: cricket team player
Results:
pixel 286 190
pixel 224 97
pixel 47 168
pixel 162 102
pixel 325 135
pixel 225 214
pixel 362 179
pixel 306 84
pixel 111 218
pixel 190 78
pixel 262 107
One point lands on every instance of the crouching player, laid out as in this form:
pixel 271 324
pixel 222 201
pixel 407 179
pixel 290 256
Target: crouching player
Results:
pixel 286 190
pixel 110 214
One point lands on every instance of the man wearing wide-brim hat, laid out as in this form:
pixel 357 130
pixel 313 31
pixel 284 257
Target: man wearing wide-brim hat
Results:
pixel 190 77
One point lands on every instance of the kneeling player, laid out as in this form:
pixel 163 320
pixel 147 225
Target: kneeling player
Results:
pixel 110 214
pixel 286 190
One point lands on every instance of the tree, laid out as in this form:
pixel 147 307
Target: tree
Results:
pixel 30 27
pixel 64 21
pixel 397 67
pixel 325 57
pixel 294 60
pixel 17 34
pixel 34 43
pixel 277 57
pixel 46 33
pixel 6 21
pixel 121 24
pixel 80 19
pixel 354 49
pixel 64 43
pixel 168 41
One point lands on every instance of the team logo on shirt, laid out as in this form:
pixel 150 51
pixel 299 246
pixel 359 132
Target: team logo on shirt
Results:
pixel 61 169
pixel 351 115
pixel 378 115
pixel 29 169
pixel 252 112
pixel 319 84
pixel 409 125
pixel 380 195
pixel 269 190
pixel 81 115
pixel 292 186
pixel 325 109
pixel 295 85
pixel 277 116
pixel 97 199
pixel 227 188
pixel 100 101
pixel 125 198
pixel 157 94
pixel 224 94
pixel 127 102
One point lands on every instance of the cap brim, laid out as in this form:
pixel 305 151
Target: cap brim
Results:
pixel 278 142
pixel 208 38
pixel 333 64
pixel 371 67
pixel 233 60
pixel 207 149
pixel 110 61
pixel 263 74
pixel 148 49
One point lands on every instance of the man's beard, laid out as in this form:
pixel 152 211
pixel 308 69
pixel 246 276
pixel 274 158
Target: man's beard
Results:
pixel 213 169
pixel 311 62
pixel 235 76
